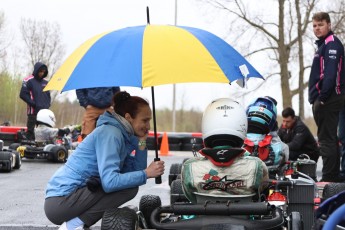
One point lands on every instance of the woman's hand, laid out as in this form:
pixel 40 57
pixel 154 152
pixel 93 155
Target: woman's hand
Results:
pixel 155 169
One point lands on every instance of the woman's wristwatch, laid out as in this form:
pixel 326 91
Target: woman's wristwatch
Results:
pixel 142 145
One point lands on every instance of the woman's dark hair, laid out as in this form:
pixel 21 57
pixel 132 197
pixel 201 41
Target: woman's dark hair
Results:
pixel 124 103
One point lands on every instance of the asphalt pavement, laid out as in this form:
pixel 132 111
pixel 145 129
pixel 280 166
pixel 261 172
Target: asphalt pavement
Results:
pixel 22 192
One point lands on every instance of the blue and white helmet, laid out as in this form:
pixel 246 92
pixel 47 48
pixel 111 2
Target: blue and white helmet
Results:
pixel 261 115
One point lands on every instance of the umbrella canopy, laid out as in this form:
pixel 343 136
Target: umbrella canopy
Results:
pixel 151 55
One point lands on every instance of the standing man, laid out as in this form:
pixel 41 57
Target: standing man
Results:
pixel 326 93
pixel 33 95
pixel 297 136
pixel 95 101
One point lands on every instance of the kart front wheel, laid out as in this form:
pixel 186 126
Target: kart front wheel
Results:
pixel 59 154
pixel 295 221
pixel 147 204
pixel 332 189
pixel 119 219
pixel 18 160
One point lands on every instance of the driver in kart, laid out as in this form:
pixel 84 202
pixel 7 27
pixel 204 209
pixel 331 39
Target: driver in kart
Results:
pixel 226 169
pixel 45 131
pixel 262 140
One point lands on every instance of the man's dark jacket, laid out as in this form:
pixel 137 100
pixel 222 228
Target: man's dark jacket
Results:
pixel 32 91
pixel 299 139
pixel 327 74
pixel 100 97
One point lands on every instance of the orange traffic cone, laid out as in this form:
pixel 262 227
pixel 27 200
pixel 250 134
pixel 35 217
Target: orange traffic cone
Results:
pixel 164 150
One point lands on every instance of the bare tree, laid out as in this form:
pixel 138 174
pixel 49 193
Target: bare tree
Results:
pixel 5 41
pixel 42 43
pixel 280 38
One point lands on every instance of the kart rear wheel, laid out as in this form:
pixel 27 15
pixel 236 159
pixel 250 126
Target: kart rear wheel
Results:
pixel 6 161
pixel 59 154
pixel 332 189
pixel 119 219
pixel 147 204
pixel 295 221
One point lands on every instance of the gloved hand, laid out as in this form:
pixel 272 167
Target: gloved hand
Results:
pixel 93 183
pixel 63 132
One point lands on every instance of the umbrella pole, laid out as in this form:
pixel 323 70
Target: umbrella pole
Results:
pixel 158 179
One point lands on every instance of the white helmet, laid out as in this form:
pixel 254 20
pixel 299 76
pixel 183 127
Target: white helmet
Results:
pixel 47 117
pixel 224 122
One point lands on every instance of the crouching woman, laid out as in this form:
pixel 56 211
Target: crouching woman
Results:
pixel 106 169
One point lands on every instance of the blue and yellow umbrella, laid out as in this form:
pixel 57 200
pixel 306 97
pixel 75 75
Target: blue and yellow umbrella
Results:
pixel 151 55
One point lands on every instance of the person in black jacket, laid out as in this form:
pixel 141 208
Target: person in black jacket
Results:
pixel 297 136
pixel 95 101
pixel 32 94
pixel 326 93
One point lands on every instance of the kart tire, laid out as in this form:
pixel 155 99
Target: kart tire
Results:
pixel 18 160
pixel 119 219
pixel 147 204
pixel 14 146
pixel 59 154
pixel 175 170
pixel 176 192
pixel 295 221
pixel 6 160
pixel 332 189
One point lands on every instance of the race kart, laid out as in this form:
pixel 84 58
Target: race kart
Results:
pixel 56 152
pixel 9 159
pixel 281 205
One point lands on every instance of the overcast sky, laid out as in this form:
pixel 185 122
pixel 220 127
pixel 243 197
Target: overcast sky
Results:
pixel 82 19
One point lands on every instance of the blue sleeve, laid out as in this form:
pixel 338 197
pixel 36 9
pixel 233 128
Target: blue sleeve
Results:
pixel 331 57
pixel 110 152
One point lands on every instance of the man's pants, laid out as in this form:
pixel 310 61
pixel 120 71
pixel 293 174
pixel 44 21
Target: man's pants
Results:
pixel 326 118
pixel 88 206
pixel 341 136
pixel 90 118
pixel 31 123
